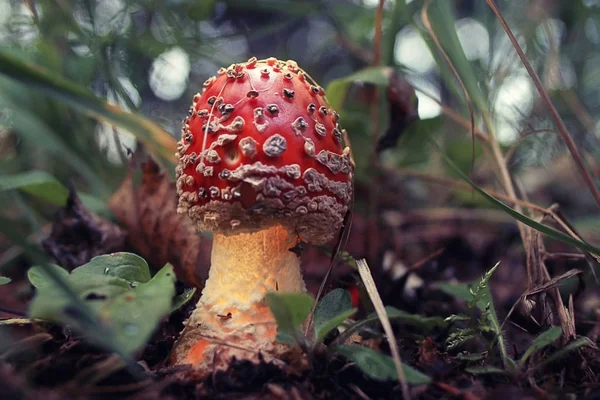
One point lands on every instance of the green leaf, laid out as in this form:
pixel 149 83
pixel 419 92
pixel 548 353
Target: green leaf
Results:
pixel 117 289
pixel 557 355
pixel 478 296
pixel 336 90
pixel 460 290
pixel 79 311
pixel 180 300
pixel 553 233
pixel 37 183
pixel 128 266
pixel 380 366
pixel 34 130
pixel 332 310
pixel 46 187
pixel 470 356
pixel 543 340
pixel 485 370
pixel 290 310
pixel 158 141
pixel 418 321
pixel 443 22
pixel 283 337
pixel 39 277
pixel 4 280
pixel 134 314
pixel 334 322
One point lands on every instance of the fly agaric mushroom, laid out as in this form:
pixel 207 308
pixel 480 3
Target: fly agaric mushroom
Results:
pixel 262 167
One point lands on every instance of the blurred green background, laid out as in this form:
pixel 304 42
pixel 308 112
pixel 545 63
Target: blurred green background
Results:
pixel 151 57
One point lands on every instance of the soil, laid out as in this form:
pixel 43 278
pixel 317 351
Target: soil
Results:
pixel 48 361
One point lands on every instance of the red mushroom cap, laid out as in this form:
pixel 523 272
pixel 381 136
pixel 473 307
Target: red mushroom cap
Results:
pixel 260 147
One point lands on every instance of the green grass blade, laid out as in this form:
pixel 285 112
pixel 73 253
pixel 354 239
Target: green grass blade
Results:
pixel 35 131
pixel 441 15
pixel 380 366
pixel 46 187
pixel 543 340
pixel 485 370
pixel 158 141
pixel 36 183
pixel 574 345
pixel 551 232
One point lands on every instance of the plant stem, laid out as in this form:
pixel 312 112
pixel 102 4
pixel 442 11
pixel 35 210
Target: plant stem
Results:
pixel 562 129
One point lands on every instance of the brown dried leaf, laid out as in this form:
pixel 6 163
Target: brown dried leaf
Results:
pixel 428 354
pixel 148 213
pixel 79 235
pixel 402 110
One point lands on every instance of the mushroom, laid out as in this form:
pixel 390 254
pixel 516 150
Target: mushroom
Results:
pixel 261 166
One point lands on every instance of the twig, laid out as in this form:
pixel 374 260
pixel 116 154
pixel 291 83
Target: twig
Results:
pixel 378 33
pixel 425 260
pixel 464 186
pixel 562 129
pixel 564 256
pixel 551 284
pixel 367 279
pixel 373 196
pixel 359 392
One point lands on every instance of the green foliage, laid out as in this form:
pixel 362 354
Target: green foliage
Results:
pixel 118 290
pixel 154 137
pixel 485 370
pixel 37 183
pixel 418 321
pixel 477 297
pixel 180 300
pixel 4 280
pixel 551 232
pixel 544 339
pixel 480 294
pixel 332 310
pixel 443 21
pixel 485 327
pixel 380 366
pixel 470 357
pixel 290 310
pixel 46 187
pixel 565 351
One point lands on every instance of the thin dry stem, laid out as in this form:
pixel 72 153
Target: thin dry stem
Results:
pixel 373 199
pixel 449 182
pixel 378 33
pixel 562 129
pixel 367 279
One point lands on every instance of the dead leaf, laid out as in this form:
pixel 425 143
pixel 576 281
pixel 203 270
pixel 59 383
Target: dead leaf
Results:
pixel 79 235
pixel 402 110
pixel 148 213
pixel 428 354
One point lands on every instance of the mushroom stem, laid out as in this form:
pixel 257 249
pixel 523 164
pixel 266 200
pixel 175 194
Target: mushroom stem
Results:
pixel 244 267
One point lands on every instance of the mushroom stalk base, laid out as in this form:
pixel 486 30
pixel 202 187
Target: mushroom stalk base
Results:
pixel 231 317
